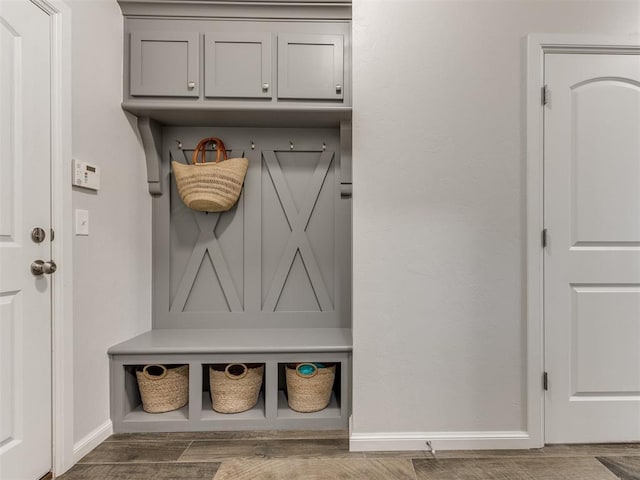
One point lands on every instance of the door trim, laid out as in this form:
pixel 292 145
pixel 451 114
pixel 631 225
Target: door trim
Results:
pixel 537 46
pixel 61 222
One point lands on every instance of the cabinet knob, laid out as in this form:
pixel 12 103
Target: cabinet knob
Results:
pixel 265 86
pixel 338 88
pixel 191 85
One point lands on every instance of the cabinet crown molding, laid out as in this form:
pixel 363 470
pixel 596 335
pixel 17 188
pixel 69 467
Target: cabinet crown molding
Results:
pixel 280 9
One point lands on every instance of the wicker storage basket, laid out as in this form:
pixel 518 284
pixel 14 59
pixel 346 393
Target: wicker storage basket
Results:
pixel 235 388
pixel 213 186
pixel 163 389
pixel 309 386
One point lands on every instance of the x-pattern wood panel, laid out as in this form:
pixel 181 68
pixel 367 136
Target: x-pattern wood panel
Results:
pixel 206 243
pixel 298 240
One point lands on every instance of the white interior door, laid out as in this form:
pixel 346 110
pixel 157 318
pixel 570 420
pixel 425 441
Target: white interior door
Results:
pixel 25 203
pixel 592 259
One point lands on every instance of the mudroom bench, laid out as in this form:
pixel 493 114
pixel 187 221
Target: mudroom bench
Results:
pixel 200 348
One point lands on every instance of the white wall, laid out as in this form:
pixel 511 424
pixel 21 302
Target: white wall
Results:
pixel 112 266
pixel 438 208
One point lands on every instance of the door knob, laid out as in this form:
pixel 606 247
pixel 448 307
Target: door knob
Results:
pixel 38 267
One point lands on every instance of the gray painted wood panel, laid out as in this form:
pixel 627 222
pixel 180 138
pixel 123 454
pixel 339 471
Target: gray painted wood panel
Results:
pixel 237 65
pixel 311 66
pixel 279 258
pixel 164 63
pixel 322 62
pixel 127 414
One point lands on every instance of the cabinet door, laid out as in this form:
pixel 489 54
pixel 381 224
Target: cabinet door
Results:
pixel 311 67
pixel 237 65
pixel 165 64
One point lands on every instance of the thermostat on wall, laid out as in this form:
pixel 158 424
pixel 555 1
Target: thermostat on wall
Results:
pixel 86 175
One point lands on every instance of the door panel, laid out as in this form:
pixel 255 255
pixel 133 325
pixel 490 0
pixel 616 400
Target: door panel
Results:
pixel 311 67
pixel 165 64
pixel 25 300
pixel 606 141
pixel 592 261
pixel 604 370
pixel 238 65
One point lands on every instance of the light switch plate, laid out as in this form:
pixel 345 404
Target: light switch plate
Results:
pixel 82 222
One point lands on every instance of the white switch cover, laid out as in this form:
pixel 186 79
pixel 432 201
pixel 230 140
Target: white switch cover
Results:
pixel 82 222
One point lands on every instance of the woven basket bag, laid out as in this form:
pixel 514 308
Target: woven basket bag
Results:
pixel 163 389
pixel 236 388
pixel 309 392
pixel 213 186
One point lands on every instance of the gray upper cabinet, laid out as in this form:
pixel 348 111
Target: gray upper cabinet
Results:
pixel 311 67
pixel 164 63
pixel 237 65
pixel 207 66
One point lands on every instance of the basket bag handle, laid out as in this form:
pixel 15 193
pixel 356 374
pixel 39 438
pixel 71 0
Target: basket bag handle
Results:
pixel 231 369
pixel 201 150
pixel 151 376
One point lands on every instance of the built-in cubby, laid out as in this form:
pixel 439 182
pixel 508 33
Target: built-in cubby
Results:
pixel 201 348
pixel 332 411
pixel 257 412
pixel 268 281
pixel 132 406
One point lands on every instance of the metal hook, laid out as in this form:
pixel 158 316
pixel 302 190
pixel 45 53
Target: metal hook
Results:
pixel 290 145
pixel 324 146
pixel 179 142
pixel 253 145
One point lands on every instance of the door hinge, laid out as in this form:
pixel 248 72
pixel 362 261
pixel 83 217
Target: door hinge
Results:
pixel 545 381
pixel 544 95
pixel 544 237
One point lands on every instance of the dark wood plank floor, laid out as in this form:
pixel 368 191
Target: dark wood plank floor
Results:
pixel 287 455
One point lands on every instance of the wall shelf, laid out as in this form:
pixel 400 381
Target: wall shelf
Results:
pixel 184 113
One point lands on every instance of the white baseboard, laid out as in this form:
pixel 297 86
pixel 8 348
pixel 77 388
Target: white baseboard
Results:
pixel 91 441
pixel 394 441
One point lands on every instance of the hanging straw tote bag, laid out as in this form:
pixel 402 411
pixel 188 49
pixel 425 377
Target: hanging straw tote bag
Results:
pixel 213 186
pixel 235 388
pixel 163 389
pixel 309 386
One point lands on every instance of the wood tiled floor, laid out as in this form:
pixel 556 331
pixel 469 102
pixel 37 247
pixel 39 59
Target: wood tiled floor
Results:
pixel 274 455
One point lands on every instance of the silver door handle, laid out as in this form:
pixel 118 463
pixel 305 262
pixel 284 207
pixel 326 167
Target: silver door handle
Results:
pixel 38 267
pixel 191 85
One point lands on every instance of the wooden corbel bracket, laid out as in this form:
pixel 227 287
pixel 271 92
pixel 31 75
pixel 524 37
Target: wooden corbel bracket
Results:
pixel 151 134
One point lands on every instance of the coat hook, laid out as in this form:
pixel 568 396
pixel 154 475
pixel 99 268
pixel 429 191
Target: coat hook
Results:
pixel 324 146
pixel 253 145
pixel 290 145
pixel 179 144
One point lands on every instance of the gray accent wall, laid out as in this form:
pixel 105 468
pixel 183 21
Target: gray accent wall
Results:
pixel 279 258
